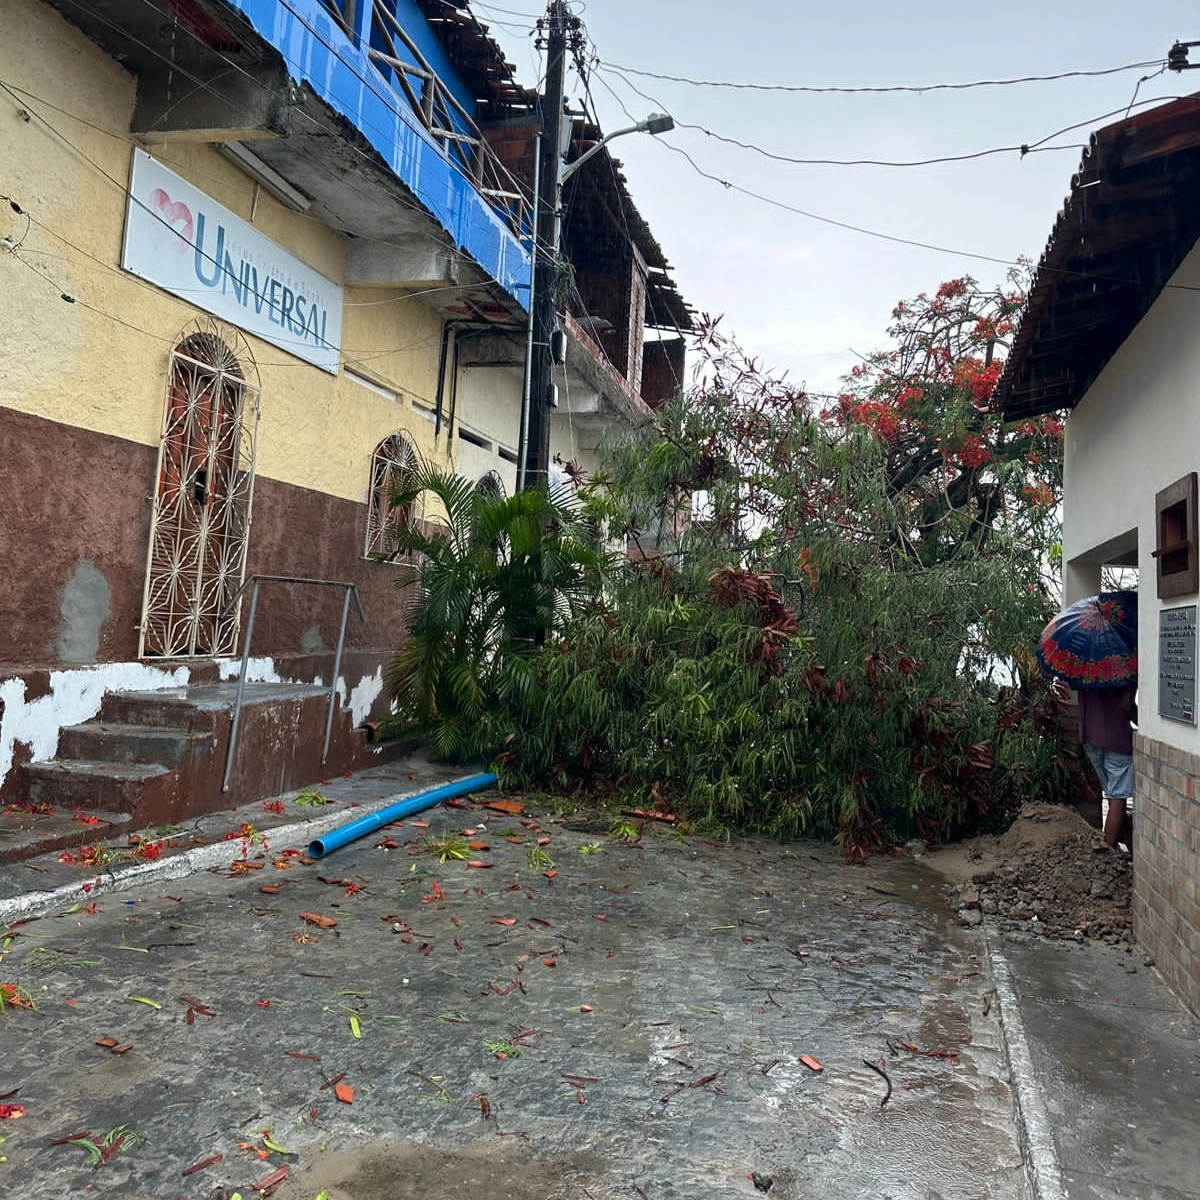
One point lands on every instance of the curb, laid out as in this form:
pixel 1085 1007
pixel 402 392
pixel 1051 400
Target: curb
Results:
pixel 178 866
pixel 1042 1168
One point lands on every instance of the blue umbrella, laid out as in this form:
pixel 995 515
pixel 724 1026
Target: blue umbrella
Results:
pixel 1093 642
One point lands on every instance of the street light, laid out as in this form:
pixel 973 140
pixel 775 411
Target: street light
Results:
pixel 655 123
pixel 534 438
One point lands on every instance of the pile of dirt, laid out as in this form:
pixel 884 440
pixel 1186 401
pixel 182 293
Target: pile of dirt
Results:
pixel 1049 874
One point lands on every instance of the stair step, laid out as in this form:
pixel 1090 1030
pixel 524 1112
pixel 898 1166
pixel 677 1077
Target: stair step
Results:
pixel 196 707
pixel 101 741
pixel 26 833
pixel 73 783
pixel 171 709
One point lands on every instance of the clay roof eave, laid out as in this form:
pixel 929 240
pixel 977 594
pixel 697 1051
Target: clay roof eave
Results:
pixel 1132 216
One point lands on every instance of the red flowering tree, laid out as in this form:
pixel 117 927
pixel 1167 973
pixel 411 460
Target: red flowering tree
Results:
pixel 959 471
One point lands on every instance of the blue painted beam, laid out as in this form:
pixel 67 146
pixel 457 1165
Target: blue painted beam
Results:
pixel 319 53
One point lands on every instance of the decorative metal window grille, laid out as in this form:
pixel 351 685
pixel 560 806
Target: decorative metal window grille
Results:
pixel 491 484
pixel 391 464
pixel 200 522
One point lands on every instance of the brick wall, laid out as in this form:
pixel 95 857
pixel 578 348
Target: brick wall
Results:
pixel 1166 876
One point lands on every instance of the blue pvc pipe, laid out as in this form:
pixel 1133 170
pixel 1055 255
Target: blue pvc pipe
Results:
pixel 393 812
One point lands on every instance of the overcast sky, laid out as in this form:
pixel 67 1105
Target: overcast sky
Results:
pixel 803 295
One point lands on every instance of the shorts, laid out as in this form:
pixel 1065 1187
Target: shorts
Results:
pixel 1115 770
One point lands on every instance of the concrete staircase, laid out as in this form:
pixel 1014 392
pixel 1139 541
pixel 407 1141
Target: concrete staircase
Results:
pixel 158 758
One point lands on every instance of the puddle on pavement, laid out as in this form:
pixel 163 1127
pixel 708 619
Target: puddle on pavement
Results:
pixel 500 1169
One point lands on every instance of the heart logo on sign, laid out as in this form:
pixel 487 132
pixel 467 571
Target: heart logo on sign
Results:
pixel 176 215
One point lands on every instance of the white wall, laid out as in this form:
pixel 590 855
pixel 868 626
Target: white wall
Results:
pixel 1137 430
pixel 489 410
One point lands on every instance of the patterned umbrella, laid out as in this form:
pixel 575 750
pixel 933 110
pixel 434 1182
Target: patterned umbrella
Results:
pixel 1093 643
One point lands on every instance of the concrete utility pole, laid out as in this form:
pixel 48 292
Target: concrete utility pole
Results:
pixel 561 28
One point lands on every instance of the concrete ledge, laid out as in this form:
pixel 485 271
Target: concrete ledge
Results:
pixel 1042 1168
pixel 182 864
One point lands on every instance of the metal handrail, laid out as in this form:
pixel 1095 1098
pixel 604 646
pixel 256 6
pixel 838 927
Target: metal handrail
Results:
pixel 257 581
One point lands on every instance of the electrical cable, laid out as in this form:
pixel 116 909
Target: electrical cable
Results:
pixel 589 103
pixel 124 189
pixel 1023 149
pixel 508 12
pixel 874 90
pixel 875 233
pixel 125 139
pixel 1138 86
pixel 349 359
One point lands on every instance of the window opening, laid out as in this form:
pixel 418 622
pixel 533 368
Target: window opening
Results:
pixel 392 465
pixel 1175 549
pixel 200 522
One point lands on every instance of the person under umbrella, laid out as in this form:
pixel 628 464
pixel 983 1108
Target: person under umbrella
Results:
pixel 1092 646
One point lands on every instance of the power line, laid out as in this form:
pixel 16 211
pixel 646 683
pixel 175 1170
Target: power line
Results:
pixel 347 358
pixel 914 88
pixel 895 238
pixel 1138 86
pixel 903 241
pixel 589 102
pixel 126 140
pixel 494 8
pixel 1022 150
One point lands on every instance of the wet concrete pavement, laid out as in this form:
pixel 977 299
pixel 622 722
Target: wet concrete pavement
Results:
pixel 1117 1063
pixel 584 1017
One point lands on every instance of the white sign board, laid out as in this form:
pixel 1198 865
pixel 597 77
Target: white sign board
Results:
pixel 185 242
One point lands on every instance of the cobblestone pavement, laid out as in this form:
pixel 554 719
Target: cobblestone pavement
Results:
pixel 578 1016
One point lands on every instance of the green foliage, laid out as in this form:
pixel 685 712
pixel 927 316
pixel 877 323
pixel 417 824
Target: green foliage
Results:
pixel 493 575
pixel 449 847
pixel 830 629
pixel 311 798
pixel 825 625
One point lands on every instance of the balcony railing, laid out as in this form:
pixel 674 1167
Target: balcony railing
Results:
pixel 397 57
pixel 443 117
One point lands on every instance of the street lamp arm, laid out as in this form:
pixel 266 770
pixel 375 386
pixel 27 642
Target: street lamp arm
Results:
pixel 655 123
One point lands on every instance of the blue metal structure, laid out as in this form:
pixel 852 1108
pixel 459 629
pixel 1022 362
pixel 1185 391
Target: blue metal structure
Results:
pixel 333 61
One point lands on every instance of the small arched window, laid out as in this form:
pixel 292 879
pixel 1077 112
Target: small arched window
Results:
pixel 391 465
pixel 491 485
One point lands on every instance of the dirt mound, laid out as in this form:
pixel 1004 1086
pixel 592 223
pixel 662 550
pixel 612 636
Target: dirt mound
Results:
pixel 1050 874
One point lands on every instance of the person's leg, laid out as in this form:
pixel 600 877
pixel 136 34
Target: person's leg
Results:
pixel 1118 774
pixel 1115 821
pixel 1095 756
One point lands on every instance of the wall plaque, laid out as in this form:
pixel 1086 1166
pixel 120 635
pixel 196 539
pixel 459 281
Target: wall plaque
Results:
pixel 1177 663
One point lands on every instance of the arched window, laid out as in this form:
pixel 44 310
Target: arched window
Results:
pixel 490 485
pixel 391 464
pixel 200 522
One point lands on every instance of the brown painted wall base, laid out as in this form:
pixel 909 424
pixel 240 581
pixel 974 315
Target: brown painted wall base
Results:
pixel 279 750
pixel 76 508
pixel 1166 876
pixel 161 758
pixel 76 511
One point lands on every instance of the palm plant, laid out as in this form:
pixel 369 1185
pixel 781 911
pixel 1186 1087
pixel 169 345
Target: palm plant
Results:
pixel 494 576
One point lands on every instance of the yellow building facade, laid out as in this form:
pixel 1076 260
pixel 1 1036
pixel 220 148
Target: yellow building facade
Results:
pixel 85 396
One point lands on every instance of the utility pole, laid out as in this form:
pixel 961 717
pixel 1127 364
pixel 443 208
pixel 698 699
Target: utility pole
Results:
pixel 562 29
